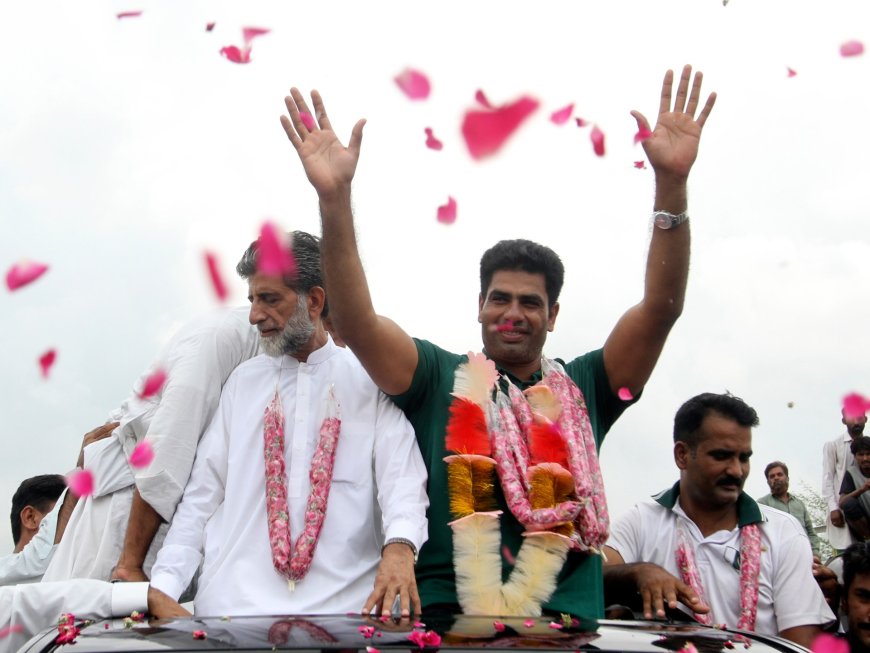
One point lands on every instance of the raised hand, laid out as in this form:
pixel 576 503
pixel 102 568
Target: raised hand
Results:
pixel 673 145
pixel 329 165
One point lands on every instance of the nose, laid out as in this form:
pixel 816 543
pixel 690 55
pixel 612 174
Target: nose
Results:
pixel 736 468
pixel 255 316
pixel 513 312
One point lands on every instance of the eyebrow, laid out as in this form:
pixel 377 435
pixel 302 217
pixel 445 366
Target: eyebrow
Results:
pixel 497 293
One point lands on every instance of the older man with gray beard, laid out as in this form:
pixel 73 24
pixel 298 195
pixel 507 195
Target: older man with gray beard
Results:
pixel 330 521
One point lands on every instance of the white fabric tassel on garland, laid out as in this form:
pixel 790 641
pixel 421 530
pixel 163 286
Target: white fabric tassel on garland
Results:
pixel 477 561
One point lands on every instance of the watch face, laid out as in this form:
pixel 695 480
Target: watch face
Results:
pixel 664 221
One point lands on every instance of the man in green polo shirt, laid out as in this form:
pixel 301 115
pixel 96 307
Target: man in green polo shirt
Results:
pixel 519 292
pixel 776 474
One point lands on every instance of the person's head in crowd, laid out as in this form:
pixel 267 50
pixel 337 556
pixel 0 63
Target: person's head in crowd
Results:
pixel 854 425
pixel 860 448
pixel 776 474
pixel 32 501
pixel 288 311
pixel 712 447
pixel 856 595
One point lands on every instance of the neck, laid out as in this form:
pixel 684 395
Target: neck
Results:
pixel 782 497
pixel 522 371
pixel 709 519
pixel 314 343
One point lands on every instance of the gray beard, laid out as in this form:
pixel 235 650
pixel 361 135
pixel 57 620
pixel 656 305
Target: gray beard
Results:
pixel 295 335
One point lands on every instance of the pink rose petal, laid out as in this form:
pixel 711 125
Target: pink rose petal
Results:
pixel 153 383
pixel 367 631
pixel 372 649
pixel 624 394
pixel 217 282
pixel 826 643
pixel 507 325
pixel 250 33
pixel 640 165
pixel 129 14
pixel 507 555
pixel 597 138
pixel 581 122
pixel 431 142
pixel 419 624
pixel 563 115
pixel 81 482
pixel 482 100
pixel 236 55
pixel 855 406
pixel 23 273
pixel 486 132
pixel 433 639
pixel 209 26
pixel 642 134
pixel 528 623
pixel 418 638
pixel 791 72
pixel 447 212
pixel 555 625
pixel 274 256
pixel 499 626
pixel 688 647
pixel 307 120
pixel 142 455
pixel 9 630
pixel 851 49
pixel 414 84
pixel 199 634
pixel 46 361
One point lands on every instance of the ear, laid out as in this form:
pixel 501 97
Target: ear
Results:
pixel 551 319
pixel 30 518
pixel 316 302
pixel 481 299
pixel 681 454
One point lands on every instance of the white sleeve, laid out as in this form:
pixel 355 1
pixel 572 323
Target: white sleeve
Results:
pixel 400 475
pixel 27 609
pixel 29 565
pixel 626 536
pixel 181 554
pixel 830 493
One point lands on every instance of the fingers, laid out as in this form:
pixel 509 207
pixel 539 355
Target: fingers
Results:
pixel 682 89
pixel 686 595
pixel 705 112
pixel 301 106
pixel 356 137
pixel 695 94
pixel 288 129
pixel 320 111
pixel 100 432
pixel 371 602
pixel 652 603
pixel 667 85
pixel 642 122
pixel 415 599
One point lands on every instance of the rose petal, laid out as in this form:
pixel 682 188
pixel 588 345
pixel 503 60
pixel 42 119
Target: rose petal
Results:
pixel 236 55
pixel 9 630
pixel 419 624
pixel 597 138
pixel 199 634
pixel 142 455
pixel 642 134
pixel 209 26
pixel 81 482
pixel 581 122
pixel 507 325
pixel 640 165
pixel 499 626
pixel 418 638
pixel 372 649
pixel 23 273
pixel 129 14
pixel 431 142
pixel 507 555
pixel 555 625
pixel 432 639
pixel 826 643
pixel 46 361
pixel 528 623
pixel 855 405
pixel 624 394
pixel 274 256
pixel 486 132
pixel 217 283
pixel 307 120
pixel 153 383
pixel 688 647
pixel 250 33
pixel 791 72
pixel 851 49
pixel 414 84
pixel 562 116
pixel 482 100
pixel 447 212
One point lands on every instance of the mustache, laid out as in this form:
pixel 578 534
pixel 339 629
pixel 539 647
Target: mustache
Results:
pixel 730 480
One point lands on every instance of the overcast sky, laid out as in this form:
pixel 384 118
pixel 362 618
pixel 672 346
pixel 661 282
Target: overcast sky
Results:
pixel 127 147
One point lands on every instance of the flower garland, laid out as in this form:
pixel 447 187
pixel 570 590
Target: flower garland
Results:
pixel 750 568
pixel 529 439
pixel 294 565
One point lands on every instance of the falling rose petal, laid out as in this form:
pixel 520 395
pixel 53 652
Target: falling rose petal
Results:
pixel 507 555
pixel 581 122
pixel 142 455
pixel 688 647
pixel 791 72
pixel 433 639
pixel 414 84
pixel 209 26
pixel 499 626
pixel 129 14
pixel 431 142
pixel 10 630
pixel 419 624
pixel 236 55
pixel 81 482
pixel 23 273
pixel 642 134
pixel 624 394
pixel 528 623
pixel 640 165
pixel 562 116
pixel 153 383
pixel 199 634
pixel 217 282
pixel 372 649
pixel 447 212
pixel 507 325
pixel 826 643
pixel 486 132
pixel 482 100
pixel 597 138
pixel 555 625
pixel 307 120
pixel 274 256
pixel 855 406
pixel 46 361
pixel 250 33
pixel 851 49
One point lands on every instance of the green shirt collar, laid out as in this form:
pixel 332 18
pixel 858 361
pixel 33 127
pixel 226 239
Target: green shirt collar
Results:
pixel 748 511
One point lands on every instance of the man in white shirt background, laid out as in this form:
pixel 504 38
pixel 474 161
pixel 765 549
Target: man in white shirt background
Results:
pixel 286 531
pixel 836 459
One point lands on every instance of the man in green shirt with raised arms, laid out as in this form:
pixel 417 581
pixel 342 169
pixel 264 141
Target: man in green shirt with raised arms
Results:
pixel 497 570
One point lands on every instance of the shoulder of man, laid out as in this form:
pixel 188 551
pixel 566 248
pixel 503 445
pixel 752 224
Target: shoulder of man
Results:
pixel 780 524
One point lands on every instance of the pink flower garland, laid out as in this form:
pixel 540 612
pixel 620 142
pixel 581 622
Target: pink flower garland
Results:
pixel 750 568
pixel 293 566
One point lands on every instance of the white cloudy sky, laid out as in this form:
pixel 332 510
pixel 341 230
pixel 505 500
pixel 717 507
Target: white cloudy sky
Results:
pixel 128 147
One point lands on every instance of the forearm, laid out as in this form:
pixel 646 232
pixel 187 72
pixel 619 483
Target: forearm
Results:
pixel 66 509
pixel 844 498
pixel 667 269
pixel 142 526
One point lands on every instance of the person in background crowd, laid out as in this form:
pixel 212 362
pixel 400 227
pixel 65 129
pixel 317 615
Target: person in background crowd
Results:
pixel 836 458
pixel 776 474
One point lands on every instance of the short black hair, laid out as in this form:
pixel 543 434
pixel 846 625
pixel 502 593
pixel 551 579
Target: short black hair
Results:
pixel 775 463
pixel 861 443
pixel 526 256
pixel 856 560
pixel 306 251
pixel 687 421
pixel 39 492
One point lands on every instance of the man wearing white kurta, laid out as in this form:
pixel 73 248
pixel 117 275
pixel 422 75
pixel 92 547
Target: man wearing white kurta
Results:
pixel 836 459
pixel 197 360
pixel 375 517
